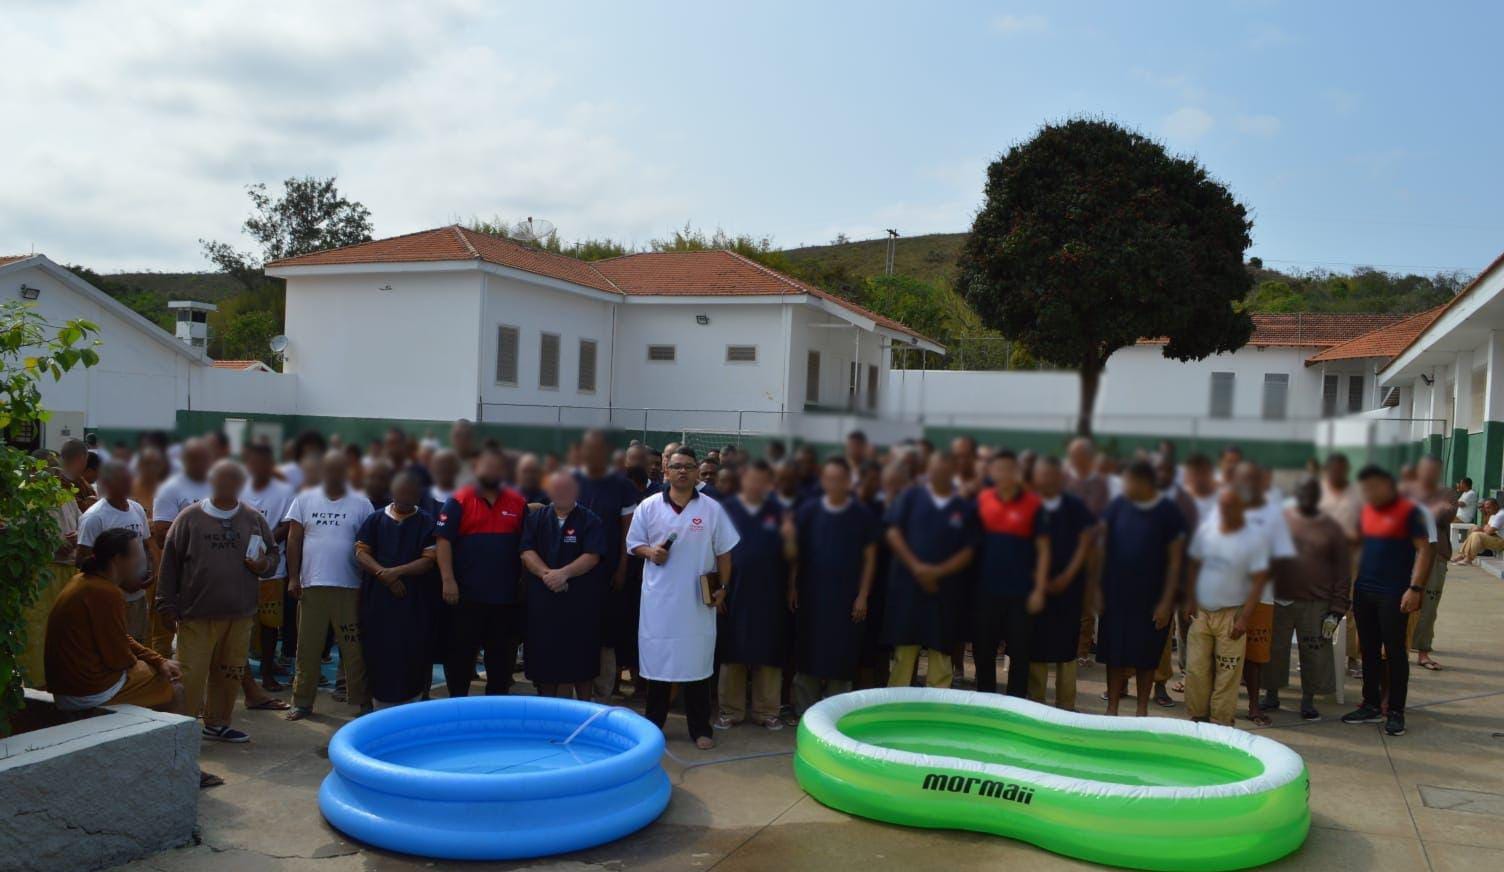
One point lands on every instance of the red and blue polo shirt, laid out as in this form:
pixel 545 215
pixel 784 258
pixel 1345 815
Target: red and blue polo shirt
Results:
pixel 1010 528
pixel 487 539
pixel 1388 554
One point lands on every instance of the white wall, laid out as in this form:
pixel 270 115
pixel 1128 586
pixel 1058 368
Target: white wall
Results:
pixel 839 342
pixel 700 377
pixel 534 311
pixel 409 352
pixel 249 392
pixel 139 383
pixel 1141 392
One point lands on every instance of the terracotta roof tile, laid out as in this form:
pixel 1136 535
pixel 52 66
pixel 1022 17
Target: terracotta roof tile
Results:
pixel 718 273
pixel 456 243
pixel 236 364
pixel 1385 342
pixel 1309 329
pixel 12 258
pixel 715 273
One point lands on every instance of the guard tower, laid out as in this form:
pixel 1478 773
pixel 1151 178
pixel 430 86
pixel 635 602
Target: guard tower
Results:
pixel 193 321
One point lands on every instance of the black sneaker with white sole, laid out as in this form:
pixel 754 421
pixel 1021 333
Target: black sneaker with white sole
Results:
pixel 1394 725
pixel 225 734
pixel 1366 714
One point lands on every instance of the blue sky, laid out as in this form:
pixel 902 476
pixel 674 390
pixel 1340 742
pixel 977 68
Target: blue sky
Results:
pixel 1357 133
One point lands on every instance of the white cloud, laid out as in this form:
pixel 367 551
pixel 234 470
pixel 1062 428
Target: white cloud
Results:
pixel 1014 24
pixel 141 138
pixel 1188 123
pixel 1257 125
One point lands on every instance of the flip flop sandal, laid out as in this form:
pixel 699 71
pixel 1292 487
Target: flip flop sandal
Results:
pixel 1261 720
pixel 1163 700
pixel 271 704
pixel 1178 687
pixel 1431 665
pixel 298 714
pixel 205 779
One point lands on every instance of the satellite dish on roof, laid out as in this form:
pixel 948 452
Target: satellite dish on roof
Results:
pixel 278 344
pixel 532 230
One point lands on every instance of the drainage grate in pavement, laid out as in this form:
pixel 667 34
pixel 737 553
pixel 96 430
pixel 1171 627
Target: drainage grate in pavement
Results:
pixel 1470 801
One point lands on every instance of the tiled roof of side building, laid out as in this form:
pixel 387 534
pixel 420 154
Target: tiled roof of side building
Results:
pixel 456 243
pixel 12 258
pixel 1309 329
pixel 1385 342
pixel 718 272
pixel 236 364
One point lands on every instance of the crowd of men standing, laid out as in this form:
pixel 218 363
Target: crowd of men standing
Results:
pixel 747 587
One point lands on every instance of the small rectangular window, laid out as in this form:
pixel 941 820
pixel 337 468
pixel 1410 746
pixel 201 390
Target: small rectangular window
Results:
pixel 508 340
pixel 587 366
pixel 1222 384
pixel 1355 388
pixel 871 386
pixel 741 354
pixel 662 353
pixel 548 361
pixel 1276 395
pixel 812 378
pixel 1329 395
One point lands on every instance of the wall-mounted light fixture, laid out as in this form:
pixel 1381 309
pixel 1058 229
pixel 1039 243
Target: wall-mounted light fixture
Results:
pixel 702 320
pixel 30 293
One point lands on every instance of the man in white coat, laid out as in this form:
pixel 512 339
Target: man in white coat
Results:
pixel 682 534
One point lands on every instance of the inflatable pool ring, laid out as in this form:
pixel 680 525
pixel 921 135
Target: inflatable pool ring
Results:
pixel 1146 793
pixel 494 777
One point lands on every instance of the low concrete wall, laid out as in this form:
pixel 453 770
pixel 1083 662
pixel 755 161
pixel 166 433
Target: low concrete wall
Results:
pixel 97 792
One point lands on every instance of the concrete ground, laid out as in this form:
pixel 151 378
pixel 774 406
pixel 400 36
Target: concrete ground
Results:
pixel 1433 799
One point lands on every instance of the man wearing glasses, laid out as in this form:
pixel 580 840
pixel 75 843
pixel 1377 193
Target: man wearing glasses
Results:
pixel 682 535
pixel 207 590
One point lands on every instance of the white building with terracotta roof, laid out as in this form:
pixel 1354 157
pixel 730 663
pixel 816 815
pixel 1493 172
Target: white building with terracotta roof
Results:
pixel 146 378
pixel 450 323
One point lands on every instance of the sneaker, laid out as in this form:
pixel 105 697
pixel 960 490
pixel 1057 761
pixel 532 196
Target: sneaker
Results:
pixel 229 734
pixel 773 724
pixel 1394 725
pixel 1270 704
pixel 1365 714
pixel 1310 714
pixel 723 723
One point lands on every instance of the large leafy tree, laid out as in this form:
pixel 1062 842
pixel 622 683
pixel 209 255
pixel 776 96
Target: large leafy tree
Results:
pixel 309 215
pixel 1093 237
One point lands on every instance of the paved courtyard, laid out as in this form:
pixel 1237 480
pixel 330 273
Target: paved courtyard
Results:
pixel 1433 799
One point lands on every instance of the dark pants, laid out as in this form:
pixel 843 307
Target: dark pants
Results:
pixel 474 626
pixel 696 704
pixel 1002 620
pixel 1381 626
pixel 289 631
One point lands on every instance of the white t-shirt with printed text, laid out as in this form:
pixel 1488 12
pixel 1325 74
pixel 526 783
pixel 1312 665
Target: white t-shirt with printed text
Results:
pixel 175 495
pixel 1228 563
pixel 272 502
pixel 102 516
pixel 329 528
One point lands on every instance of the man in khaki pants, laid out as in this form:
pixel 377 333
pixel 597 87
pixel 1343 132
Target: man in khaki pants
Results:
pixel 1229 568
pixel 323 578
pixel 207 589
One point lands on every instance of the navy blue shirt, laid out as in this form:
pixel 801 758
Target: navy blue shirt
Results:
pixel 486 538
pixel 1388 555
pixel 1009 548
pixel 611 498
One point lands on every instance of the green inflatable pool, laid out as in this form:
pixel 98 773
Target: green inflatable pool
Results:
pixel 1146 793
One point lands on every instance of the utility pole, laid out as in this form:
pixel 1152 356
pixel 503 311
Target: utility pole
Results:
pixel 892 248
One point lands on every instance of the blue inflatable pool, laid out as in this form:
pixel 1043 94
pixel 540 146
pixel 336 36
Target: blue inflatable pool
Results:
pixel 494 777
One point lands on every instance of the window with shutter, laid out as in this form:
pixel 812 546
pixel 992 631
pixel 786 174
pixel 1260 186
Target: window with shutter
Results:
pixel 871 386
pixel 1222 384
pixel 507 341
pixel 741 354
pixel 1276 395
pixel 548 361
pixel 662 353
pixel 1329 395
pixel 812 378
pixel 587 366
pixel 1355 387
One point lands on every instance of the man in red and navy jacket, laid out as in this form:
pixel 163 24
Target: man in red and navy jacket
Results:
pixel 479 538
pixel 1398 539
pixel 1013 569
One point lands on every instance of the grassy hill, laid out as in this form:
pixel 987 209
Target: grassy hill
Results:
pixel 930 258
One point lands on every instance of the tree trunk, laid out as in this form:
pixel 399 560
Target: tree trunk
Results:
pixel 1091 379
